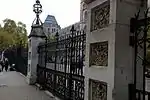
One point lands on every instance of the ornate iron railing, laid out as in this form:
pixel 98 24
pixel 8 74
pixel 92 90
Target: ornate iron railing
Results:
pixel 19 57
pixel 140 94
pixel 61 65
pixel 140 41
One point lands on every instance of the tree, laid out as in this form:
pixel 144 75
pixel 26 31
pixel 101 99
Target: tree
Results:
pixel 51 38
pixel 12 34
pixel 5 40
pixel 9 25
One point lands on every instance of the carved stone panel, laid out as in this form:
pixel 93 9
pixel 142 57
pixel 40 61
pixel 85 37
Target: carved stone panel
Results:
pixel 99 54
pixel 100 16
pixel 98 90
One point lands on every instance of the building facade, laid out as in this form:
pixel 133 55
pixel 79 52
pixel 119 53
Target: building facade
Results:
pixel 50 25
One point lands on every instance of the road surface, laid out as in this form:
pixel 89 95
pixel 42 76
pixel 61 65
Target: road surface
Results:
pixel 14 87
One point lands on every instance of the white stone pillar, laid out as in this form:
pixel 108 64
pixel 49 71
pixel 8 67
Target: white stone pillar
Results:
pixel 36 36
pixel 109 57
pixel 100 50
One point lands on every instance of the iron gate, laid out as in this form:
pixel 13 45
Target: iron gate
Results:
pixel 61 65
pixel 140 42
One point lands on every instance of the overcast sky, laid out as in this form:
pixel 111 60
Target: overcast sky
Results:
pixel 66 11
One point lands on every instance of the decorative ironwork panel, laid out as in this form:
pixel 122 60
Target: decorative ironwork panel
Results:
pixel 139 29
pixel 61 65
pixel 100 16
pixel 78 88
pixel 60 85
pixel 40 75
pixel 50 80
pixel 99 54
pixel 98 90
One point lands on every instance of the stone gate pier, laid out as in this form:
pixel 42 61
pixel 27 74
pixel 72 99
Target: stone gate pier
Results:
pixel 109 57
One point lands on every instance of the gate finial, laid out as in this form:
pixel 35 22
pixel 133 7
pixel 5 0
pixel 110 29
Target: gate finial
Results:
pixel 72 29
pixel 37 8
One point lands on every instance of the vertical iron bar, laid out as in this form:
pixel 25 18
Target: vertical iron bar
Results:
pixel 76 62
pixel 45 81
pixel 68 65
pixel 144 62
pixel 76 50
pixel 135 54
pixel 139 96
pixel 74 57
pixel 55 79
pixel 148 96
pixel 71 57
pixel 80 49
pixel 83 49
pixel 65 65
pixel 132 91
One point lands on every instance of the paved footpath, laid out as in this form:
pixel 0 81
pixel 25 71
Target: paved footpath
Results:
pixel 14 87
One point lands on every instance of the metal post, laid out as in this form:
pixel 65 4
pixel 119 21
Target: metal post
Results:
pixel 131 92
pixel 133 87
pixel 65 63
pixel 57 41
pixel 71 62
pixel 45 62
pixel 144 60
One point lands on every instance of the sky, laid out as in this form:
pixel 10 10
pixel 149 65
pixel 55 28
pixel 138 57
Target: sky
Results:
pixel 66 12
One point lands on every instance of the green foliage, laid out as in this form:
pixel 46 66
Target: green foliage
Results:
pixel 148 51
pixel 51 38
pixel 12 34
pixel 9 25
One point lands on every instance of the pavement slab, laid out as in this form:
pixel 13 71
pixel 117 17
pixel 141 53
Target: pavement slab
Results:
pixel 13 86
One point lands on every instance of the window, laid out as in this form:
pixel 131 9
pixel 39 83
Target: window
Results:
pixel 48 29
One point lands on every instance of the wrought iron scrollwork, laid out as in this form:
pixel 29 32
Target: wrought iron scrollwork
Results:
pixel 98 90
pixel 64 65
pixel 139 30
pixel 100 16
pixel 99 54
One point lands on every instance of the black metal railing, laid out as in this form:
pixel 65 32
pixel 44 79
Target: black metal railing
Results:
pixel 61 65
pixel 140 94
pixel 137 94
pixel 139 40
pixel 19 57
